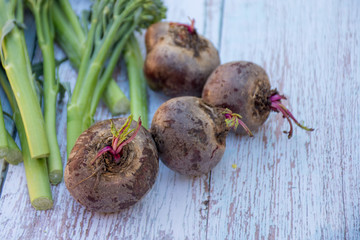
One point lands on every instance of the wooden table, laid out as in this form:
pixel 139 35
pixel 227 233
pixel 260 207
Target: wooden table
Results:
pixel 307 187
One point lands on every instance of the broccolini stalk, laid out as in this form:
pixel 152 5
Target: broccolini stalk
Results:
pixel 35 169
pixel 137 82
pixel 112 23
pixel 15 60
pixel 71 37
pixel 45 36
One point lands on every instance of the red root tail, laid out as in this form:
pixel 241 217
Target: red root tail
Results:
pixel 277 106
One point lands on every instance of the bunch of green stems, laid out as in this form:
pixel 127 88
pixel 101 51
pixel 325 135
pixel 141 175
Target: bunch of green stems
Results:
pixel 16 62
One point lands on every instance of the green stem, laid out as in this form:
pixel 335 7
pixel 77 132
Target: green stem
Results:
pixel 69 42
pixel 9 151
pixel 115 99
pixel 85 61
pixel 137 81
pixel 74 129
pixel 43 20
pixel 35 169
pixel 73 20
pixel 15 60
pixel 37 180
pixel 13 154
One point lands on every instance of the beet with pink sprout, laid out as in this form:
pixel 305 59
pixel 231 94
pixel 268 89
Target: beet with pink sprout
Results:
pixel 244 88
pixel 109 169
pixel 178 60
pixel 190 134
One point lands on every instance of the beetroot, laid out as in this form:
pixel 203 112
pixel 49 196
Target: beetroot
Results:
pixel 109 170
pixel 178 60
pixel 244 88
pixel 190 135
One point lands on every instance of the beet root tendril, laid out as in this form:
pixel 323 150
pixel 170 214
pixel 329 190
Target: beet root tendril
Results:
pixel 277 106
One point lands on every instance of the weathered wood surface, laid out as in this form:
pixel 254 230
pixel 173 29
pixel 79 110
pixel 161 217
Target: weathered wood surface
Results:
pixel 304 188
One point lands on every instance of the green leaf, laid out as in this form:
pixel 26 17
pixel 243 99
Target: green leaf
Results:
pixel 113 129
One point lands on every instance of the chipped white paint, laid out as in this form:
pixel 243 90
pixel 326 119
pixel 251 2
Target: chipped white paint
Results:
pixel 304 188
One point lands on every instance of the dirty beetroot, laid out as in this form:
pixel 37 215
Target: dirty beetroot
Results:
pixel 105 180
pixel 178 59
pixel 190 135
pixel 244 88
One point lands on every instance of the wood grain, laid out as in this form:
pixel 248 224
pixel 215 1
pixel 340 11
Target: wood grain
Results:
pixel 307 187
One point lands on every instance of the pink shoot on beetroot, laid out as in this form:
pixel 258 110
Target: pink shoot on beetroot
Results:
pixel 120 139
pixel 190 28
pixel 277 106
pixel 233 120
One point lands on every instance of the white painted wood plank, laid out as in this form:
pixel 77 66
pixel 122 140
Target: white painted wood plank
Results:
pixel 306 187
pixel 213 24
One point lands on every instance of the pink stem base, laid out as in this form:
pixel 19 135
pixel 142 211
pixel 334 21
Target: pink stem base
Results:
pixel 117 145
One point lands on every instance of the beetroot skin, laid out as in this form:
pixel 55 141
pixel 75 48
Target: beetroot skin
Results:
pixel 178 60
pixel 190 135
pixel 102 184
pixel 244 88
